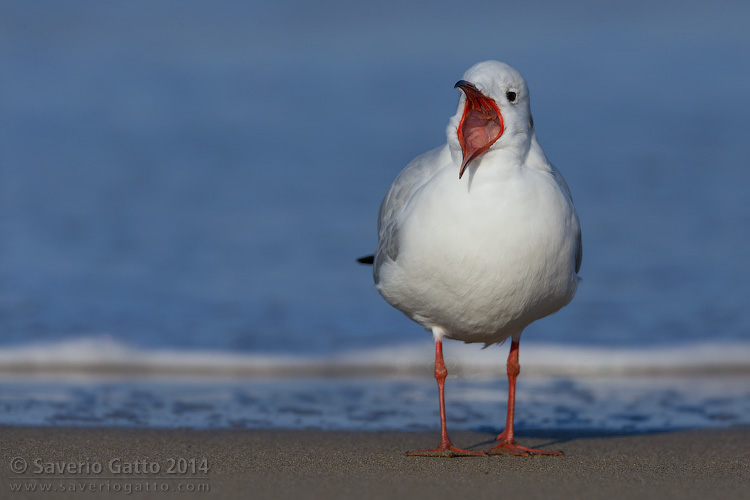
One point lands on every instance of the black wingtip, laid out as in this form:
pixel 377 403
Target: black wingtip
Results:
pixel 367 259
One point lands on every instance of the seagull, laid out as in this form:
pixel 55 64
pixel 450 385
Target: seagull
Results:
pixel 479 238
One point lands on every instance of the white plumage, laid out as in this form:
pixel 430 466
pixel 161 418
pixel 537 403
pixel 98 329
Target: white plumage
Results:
pixel 479 258
pixel 479 237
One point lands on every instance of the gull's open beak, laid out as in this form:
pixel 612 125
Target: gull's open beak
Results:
pixel 481 124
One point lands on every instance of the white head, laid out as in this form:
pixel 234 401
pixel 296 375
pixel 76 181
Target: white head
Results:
pixel 493 112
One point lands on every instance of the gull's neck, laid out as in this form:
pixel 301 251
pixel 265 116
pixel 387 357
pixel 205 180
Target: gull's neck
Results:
pixel 508 159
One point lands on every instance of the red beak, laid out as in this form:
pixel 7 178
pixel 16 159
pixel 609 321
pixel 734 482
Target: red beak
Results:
pixel 481 124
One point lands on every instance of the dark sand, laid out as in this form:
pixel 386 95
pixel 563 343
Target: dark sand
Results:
pixel 298 464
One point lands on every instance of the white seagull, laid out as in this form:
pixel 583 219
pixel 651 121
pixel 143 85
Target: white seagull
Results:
pixel 479 237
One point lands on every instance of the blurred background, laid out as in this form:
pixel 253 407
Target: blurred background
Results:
pixel 201 176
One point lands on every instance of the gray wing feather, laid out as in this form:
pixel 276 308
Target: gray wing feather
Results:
pixel 579 250
pixel 411 178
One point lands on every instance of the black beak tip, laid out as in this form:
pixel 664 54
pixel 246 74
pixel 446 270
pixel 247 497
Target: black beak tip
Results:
pixel 461 84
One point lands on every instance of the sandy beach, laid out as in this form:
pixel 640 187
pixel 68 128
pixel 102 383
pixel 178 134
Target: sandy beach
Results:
pixel 111 463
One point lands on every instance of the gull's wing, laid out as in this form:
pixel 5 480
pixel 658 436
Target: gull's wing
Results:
pixel 414 176
pixel 561 181
pixel 538 160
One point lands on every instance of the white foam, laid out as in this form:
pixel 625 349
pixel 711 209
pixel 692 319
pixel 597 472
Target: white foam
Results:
pixel 103 354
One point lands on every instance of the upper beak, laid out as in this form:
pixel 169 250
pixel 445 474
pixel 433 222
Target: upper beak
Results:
pixel 464 85
pixel 481 124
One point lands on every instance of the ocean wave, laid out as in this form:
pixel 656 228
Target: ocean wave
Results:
pixel 103 355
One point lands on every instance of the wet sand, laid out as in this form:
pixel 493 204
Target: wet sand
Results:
pixel 314 464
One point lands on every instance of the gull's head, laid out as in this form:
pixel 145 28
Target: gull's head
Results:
pixel 493 112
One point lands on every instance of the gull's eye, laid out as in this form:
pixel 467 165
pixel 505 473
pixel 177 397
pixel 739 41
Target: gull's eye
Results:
pixel 511 95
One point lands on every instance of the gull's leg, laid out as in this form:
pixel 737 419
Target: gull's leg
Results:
pixel 446 448
pixel 507 444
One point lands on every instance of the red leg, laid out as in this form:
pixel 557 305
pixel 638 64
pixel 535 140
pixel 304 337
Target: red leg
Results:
pixel 446 448
pixel 507 444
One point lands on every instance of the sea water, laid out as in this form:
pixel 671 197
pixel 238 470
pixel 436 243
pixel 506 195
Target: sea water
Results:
pixel 184 193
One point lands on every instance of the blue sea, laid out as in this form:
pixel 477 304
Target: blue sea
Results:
pixel 185 187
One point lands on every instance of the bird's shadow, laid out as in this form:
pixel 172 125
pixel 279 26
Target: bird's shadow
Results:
pixel 556 437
